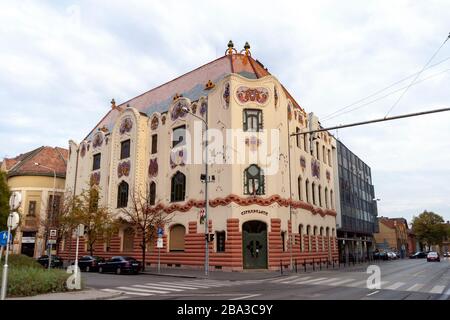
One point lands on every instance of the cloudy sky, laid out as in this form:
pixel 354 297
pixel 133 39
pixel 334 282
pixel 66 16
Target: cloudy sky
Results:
pixel 62 62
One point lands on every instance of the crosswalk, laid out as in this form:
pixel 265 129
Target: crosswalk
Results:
pixel 355 283
pixel 166 287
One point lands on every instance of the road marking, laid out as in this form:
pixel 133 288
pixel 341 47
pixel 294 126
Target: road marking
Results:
pixel 372 293
pixel 200 285
pixel 325 281
pixel 156 287
pixel 298 279
pixel 128 292
pixel 246 297
pixel 284 279
pixel 448 292
pixel 340 282
pixel 309 281
pixel 395 286
pixel 141 290
pixel 169 284
pixel 438 289
pixel 415 287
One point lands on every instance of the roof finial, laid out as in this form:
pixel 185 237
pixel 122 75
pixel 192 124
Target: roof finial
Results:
pixel 247 49
pixel 113 104
pixel 231 48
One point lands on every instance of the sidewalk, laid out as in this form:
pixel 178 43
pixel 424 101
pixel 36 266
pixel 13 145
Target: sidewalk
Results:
pixel 87 294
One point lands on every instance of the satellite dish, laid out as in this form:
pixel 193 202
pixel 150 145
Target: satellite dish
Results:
pixel 15 200
pixel 13 220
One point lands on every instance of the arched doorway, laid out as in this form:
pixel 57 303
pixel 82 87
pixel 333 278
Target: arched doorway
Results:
pixel 254 245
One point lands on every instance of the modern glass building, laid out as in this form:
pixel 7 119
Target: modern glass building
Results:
pixel 357 209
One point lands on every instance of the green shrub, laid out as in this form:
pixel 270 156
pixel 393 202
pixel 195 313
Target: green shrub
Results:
pixel 26 277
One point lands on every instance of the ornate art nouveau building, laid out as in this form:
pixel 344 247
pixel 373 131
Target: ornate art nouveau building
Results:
pixel 254 206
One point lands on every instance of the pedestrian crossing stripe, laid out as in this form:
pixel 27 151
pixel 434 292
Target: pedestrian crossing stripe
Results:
pixel 156 287
pixel 415 287
pixel 437 289
pixel 127 292
pixel 395 286
pixel 142 290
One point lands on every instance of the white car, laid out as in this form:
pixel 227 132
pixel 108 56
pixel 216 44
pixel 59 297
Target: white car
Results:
pixel 392 255
pixel 433 256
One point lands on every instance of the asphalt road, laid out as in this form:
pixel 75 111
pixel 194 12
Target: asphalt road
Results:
pixel 402 279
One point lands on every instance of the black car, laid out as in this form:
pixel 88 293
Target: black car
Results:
pixel 120 265
pixel 380 256
pixel 56 262
pixel 418 255
pixel 89 263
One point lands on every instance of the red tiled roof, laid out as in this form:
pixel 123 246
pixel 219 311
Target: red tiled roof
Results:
pixel 190 85
pixel 53 158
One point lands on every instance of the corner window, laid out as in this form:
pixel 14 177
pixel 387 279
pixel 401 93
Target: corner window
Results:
pixel 253 120
pixel 253 180
pixel 152 193
pixel 31 208
pixel 154 143
pixel 96 161
pixel 179 136
pixel 125 149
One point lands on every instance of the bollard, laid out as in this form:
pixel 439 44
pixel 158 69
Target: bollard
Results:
pixel 314 265
pixel 281 267
pixel 333 263
pixel 304 264
pixel 296 266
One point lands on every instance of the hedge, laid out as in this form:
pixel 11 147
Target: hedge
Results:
pixel 26 277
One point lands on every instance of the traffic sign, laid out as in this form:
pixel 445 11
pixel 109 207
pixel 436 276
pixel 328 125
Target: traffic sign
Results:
pixel 15 200
pixel 13 220
pixel 51 241
pixel 160 232
pixel 4 237
pixel 53 233
pixel 160 243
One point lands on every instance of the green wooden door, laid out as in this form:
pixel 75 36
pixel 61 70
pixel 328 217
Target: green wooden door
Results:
pixel 255 250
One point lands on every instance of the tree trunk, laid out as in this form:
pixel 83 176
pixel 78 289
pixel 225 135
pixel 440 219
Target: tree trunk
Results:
pixel 143 252
pixel 91 249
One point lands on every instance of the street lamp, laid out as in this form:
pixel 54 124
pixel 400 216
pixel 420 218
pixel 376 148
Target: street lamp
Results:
pixel 186 110
pixel 52 211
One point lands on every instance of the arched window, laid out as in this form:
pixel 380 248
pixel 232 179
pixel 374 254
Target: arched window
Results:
pixel 177 234
pixel 315 230
pixel 152 194
pixel 300 231
pixel 314 193
pixel 324 155
pixel 308 232
pixel 322 239
pixel 253 180
pixel 300 196
pixel 315 238
pixel 331 199
pixel 317 151
pixel 326 197
pixel 178 188
pixel 305 142
pixel 122 195
pixel 320 195
pixel 128 239
pixel 307 190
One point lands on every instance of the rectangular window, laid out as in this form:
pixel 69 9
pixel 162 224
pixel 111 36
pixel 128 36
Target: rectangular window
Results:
pixel 96 161
pixel 179 136
pixel 220 241
pixel 253 120
pixel 154 143
pixel 298 137
pixel 125 149
pixel 31 208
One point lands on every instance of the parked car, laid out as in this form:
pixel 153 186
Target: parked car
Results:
pixel 89 263
pixel 380 255
pixel 433 256
pixel 56 262
pixel 120 265
pixel 418 255
pixel 447 254
pixel 392 255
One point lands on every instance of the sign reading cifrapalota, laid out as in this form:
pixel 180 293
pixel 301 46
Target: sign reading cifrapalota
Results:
pixel 254 211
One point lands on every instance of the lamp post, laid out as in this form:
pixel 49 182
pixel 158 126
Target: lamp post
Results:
pixel 52 212
pixel 186 110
